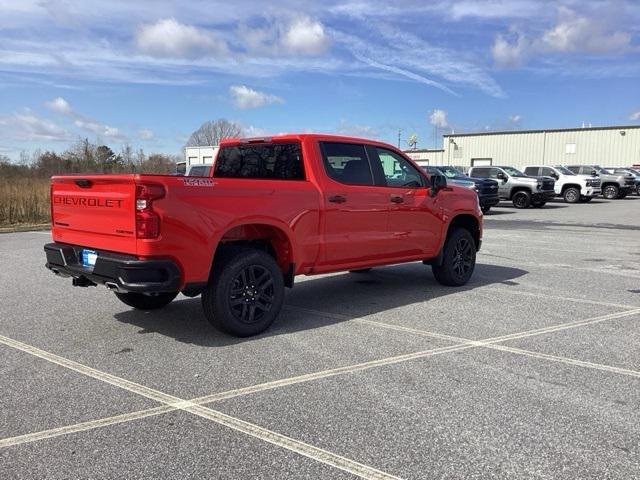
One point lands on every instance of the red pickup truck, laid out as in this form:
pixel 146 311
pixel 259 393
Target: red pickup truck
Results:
pixel 273 208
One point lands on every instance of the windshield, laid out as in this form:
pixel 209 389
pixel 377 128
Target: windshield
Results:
pixel 564 171
pixel 432 170
pixel 451 172
pixel 514 172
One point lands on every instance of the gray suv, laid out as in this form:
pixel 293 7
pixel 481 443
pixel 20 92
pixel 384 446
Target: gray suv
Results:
pixel 613 185
pixel 521 189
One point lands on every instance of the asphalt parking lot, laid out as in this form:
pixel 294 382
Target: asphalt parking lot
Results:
pixel 530 371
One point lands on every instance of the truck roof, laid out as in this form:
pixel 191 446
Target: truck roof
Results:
pixel 288 137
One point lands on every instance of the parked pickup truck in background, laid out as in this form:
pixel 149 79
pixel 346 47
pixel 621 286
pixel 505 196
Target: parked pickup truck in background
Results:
pixel 572 187
pixel 273 208
pixel 486 188
pixel 613 185
pixel 634 172
pixel 514 185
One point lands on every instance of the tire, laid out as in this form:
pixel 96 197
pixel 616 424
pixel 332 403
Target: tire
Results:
pixel 521 199
pixel 486 210
pixel 245 293
pixel 141 301
pixel 360 270
pixel 586 199
pixel 459 259
pixel 538 204
pixel 571 195
pixel 610 192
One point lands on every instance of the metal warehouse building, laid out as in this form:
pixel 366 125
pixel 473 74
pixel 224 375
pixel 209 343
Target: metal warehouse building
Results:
pixel 606 146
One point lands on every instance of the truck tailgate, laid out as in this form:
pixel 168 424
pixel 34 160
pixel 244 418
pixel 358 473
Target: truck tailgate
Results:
pixel 96 211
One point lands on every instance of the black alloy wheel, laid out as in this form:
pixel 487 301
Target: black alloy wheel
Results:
pixel 463 257
pixel 252 294
pixel 521 199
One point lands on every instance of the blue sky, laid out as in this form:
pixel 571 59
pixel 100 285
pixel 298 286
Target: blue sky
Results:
pixel 149 73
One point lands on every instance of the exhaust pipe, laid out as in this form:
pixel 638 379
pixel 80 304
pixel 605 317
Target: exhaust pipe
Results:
pixel 112 286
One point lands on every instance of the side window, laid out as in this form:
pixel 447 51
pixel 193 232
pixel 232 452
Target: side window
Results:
pixel 267 161
pixel 397 171
pixel 547 172
pixel 200 171
pixel 533 171
pixel 346 163
pixel 480 172
pixel 493 172
pixel 574 169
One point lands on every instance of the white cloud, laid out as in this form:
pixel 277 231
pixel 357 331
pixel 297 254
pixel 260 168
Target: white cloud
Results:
pixel 490 9
pixel 26 126
pixel 300 36
pixel 438 118
pixel 575 33
pixel 253 131
pixel 635 116
pixel 59 105
pixel 145 134
pixel 245 97
pixel 515 118
pixel 510 52
pixel 356 130
pixel 572 33
pixel 404 54
pixel 100 129
pixel 170 39
pixel 305 36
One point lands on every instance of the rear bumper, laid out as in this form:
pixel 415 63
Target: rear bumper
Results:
pixel 488 200
pixel 124 273
pixel 543 196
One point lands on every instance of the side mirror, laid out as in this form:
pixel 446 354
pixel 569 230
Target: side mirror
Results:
pixel 438 182
pixel 501 175
pixel 594 173
pixel 555 175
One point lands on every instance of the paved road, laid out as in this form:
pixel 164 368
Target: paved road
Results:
pixel 531 371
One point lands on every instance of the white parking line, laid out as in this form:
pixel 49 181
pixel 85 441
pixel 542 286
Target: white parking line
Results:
pixel 459 344
pixel 103 422
pixel 81 427
pixel 302 448
pixel 563 298
pixel 492 343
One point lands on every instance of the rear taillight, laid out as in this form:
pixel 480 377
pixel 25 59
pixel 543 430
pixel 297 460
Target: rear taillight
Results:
pixel 147 221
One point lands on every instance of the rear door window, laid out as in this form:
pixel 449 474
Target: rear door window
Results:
pixel 267 161
pixel 347 163
pixel 480 172
pixel 533 171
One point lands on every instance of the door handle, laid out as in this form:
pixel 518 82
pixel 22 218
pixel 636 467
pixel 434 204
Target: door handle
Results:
pixel 337 199
pixel 396 199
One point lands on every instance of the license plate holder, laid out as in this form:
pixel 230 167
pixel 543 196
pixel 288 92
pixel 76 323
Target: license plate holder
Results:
pixel 89 258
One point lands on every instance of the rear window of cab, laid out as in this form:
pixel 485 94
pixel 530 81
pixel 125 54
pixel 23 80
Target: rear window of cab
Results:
pixel 266 161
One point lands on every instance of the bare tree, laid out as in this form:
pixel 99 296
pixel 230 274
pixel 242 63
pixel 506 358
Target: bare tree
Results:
pixel 211 132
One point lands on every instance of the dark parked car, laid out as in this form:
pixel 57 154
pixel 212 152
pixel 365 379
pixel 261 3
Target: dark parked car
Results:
pixel 486 188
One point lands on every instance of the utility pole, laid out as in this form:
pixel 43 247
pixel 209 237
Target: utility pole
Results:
pixel 399 136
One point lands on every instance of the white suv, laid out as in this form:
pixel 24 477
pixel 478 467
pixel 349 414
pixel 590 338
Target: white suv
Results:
pixel 573 188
